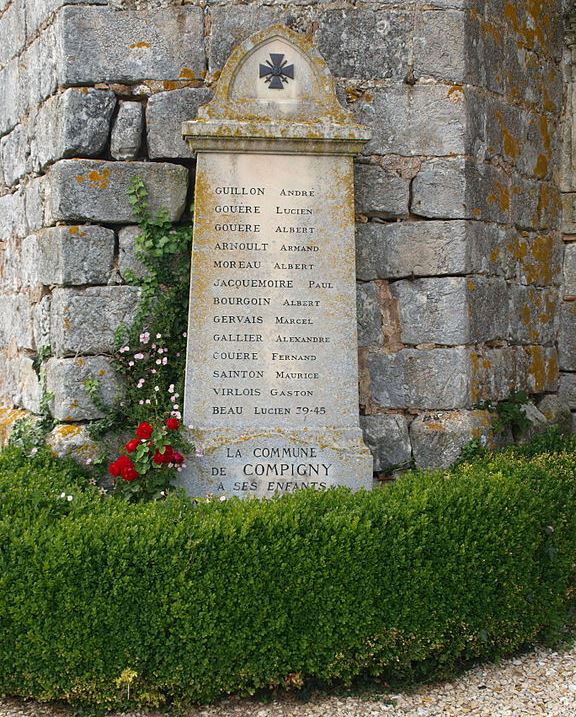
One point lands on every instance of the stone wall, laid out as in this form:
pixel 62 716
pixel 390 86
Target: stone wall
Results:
pixel 459 249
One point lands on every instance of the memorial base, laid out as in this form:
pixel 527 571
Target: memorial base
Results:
pixel 264 463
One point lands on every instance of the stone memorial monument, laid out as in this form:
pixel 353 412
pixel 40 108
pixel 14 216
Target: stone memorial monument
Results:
pixel 272 379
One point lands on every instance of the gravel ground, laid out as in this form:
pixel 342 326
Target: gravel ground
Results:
pixel 539 684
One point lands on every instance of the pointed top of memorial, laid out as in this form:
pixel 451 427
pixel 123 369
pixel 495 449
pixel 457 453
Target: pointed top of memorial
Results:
pixel 275 86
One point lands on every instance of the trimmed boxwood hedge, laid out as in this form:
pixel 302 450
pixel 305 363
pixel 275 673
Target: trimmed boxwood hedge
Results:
pixel 102 602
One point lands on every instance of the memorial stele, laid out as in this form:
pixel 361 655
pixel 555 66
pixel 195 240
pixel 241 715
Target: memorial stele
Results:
pixel 271 390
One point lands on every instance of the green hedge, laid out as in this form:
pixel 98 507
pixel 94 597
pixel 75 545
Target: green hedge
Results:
pixel 201 601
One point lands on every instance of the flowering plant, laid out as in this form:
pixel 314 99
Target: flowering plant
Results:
pixel 149 464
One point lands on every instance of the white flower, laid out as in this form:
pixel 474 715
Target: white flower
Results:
pixel 130 363
pixel 164 361
pixel 199 452
pixel 176 407
pixel 184 334
pixel 153 370
pixel 156 388
pixel 222 498
pixel 160 351
pixel 69 498
pixel 158 336
pixel 88 461
pixel 141 401
pixel 144 338
pixel 147 401
pixel 158 362
pixel 171 388
pixel 138 357
pixel 62 495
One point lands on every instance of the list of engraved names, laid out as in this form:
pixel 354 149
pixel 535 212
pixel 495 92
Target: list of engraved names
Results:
pixel 273 275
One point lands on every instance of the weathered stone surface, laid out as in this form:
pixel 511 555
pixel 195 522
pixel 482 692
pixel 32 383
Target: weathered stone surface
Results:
pixel 127 261
pixel 569 212
pixel 73 441
pixel 19 381
pixel 537 369
pixel 380 192
pixel 537 258
pixel 12 216
pixel 13 154
pixel 567 336
pixel 369 315
pixel 38 11
pixel 12 31
pixel 9 417
pixel 567 389
pixel 73 124
pixel 98 191
pixel 10 82
pixel 75 255
pixel 34 203
pixel 98 44
pixel 16 325
pixel 402 249
pixel 84 321
pixel 428 311
pixel 231 25
pixel 41 321
pixel 165 113
pixel 556 411
pixel 387 438
pixel 439 190
pixel 439 45
pixel 37 70
pixel 127 131
pixel 412 378
pixel 438 438
pixel 366 44
pixel 421 120
pixel 533 314
pixel 65 379
pixel 569 283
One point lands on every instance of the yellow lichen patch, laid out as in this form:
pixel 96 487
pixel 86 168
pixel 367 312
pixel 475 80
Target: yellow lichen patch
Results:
pixel 99 179
pixel 187 74
pixel 541 166
pixel 79 362
pixel 510 145
pixel 525 314
pixel 494 255
pixel 456 93
pixel 139 45
pixel 545 133
pixel 541 270
pixel 470 284
pixel 8 417
pixel 66 430
pixel 433 426
pixel 170 84
pixel 102 372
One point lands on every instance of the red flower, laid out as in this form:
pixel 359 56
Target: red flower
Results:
pixel 172 424
pixel 124 468
pixel 129 473
pixel 144 431
pixel 158 458
pixel 132 445
pixel 177 458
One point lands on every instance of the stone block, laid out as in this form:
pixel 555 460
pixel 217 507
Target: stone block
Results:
pixel 41 321
pixel 165 113
pixel 380 192
pixel 567 389
pixel 567 336
pixel 19 382
pixel 369 315
pixel 537 369
pixel 425 379
pixel 556 411
pixel 439 45
pixel 488 193
pixel 12 215
pixel 10 83
pixel 75 255
pixel 16 325
pixel 9 418
pixel 38 71
pixel 432 248
pixel 13 155
pixel 127 131
pixel 233 24
pixel 84 321
pixel 494 374
pixel 97 191
pixel 127 261
pixel 424 119
pixel 452 310
pixel 34 203
pixel 387 438
pixel 438 438
pixel 537 258
pixel 569 283
pixel 65 379
pixel 533 314
pixel 439 190
pixel 73 124
pixel 12 31
pixel 73 441
pixel 98 44
pixel 366 44
pixel 38 11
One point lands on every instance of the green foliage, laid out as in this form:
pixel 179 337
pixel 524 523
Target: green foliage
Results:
pixel 157 335
pixel 118 605
pixel 508 414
